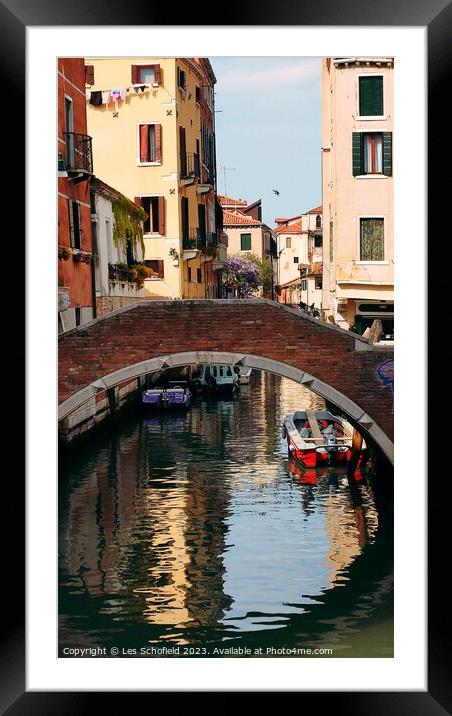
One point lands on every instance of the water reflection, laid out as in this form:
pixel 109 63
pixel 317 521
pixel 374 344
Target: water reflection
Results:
pixel 197 529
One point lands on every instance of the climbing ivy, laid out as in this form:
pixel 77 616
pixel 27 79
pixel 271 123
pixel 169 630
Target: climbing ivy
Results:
pixel 128 218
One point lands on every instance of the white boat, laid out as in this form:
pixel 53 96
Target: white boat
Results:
pixel 218 377
pixel 243 373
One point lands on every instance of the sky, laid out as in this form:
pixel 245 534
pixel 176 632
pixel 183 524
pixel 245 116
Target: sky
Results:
pixel 268 132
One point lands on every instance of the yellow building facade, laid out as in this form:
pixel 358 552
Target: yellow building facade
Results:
pixel 147 118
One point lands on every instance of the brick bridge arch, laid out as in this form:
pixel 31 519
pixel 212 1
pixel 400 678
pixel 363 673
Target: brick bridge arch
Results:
pixel 149 336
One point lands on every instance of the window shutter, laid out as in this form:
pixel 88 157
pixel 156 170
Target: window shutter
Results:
pixel 158 142
pixel 371 96
pixel 160 268
pixel 144 142
pixel 137 200
pixel 89 74
pixel 357 154
pixel 387 153
pixel 157 74
pixel 135 74
pixel 71 223
pixel 161 209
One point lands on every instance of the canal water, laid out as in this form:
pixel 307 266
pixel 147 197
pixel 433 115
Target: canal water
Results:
pixel 195 533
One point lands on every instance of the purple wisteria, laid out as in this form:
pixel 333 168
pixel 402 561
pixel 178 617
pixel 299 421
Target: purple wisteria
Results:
pixel 242 275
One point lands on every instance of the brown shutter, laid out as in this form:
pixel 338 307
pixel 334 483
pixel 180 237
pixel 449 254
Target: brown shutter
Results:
pixel 161 270
pixel 157 74
pixel 135 74
pixel 158 142
pixel 137 200
pixel 144 142
pixel 161 215
pixel 89 74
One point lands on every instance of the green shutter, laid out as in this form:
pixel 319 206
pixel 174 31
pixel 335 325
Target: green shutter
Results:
pixel 371 96
pixel 357 154
pixel 245 242
pixel 387 153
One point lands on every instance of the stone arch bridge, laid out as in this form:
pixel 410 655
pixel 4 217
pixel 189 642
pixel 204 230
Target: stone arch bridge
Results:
pixel 149 336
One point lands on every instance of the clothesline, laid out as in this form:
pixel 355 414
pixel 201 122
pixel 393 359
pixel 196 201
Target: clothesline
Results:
pixel 99 97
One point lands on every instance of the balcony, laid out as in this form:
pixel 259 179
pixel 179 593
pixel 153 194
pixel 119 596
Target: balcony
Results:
pixel 190 170
pixel 79 156
pixel 193 241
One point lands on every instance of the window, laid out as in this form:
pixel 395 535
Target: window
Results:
pixel 288 242
pixel 245 242
pixel 181 78
pixel 74 225
pixel 154 207
pixel 198 94
pixel 146 74
pixel 318 282
pixel 129 252
pixel 189 274
pixel 295 259
pixel 372 153
pixel 318 222
pixel 149 143
pixel 304 284
pixel 318 240
pixel 185 217
pixel 157 265
pixel 89 74
pixel 371 96
pixel 198 275
pixel 371 239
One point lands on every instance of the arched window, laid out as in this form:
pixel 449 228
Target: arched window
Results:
pixel 318 222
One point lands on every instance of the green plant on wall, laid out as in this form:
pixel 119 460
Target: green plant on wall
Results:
pixel 128 223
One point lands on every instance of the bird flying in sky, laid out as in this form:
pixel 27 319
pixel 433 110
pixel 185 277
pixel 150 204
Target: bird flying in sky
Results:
pixel 276 192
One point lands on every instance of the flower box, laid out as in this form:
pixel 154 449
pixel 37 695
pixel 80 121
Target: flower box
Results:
pixel 82 257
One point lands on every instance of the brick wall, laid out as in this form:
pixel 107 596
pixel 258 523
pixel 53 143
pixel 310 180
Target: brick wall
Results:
pixel 258 327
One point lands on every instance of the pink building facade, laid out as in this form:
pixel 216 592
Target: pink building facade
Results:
pixel 358 192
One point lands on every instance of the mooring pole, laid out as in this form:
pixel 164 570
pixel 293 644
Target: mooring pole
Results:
pixel 357 442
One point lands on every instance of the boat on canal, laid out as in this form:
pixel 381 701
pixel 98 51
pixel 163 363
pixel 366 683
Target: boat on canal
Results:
pixel 316 438
pixel 217 377
pixel 176 395
pixel 243 373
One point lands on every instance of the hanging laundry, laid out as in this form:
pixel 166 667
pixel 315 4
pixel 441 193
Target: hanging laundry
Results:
pixel 138 88
pixel 96 98
pixel 105 96
pixel 118 95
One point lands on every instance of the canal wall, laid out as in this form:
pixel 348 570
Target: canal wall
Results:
pixel 100 411
pixel 105 408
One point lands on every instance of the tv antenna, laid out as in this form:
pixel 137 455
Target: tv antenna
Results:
pixel 224 170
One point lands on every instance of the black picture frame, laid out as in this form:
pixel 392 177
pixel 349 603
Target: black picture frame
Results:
pixel 15 17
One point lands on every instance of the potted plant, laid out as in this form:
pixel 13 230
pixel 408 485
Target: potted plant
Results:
pixel 64 252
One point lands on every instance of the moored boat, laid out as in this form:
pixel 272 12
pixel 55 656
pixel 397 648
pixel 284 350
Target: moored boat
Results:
pixel 244 374
pixel 218 377
pixel 176 395
pixel 318 437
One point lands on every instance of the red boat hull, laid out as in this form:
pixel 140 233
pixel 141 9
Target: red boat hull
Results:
pixel 312 458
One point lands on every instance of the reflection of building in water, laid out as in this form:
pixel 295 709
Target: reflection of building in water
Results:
pixel 293 396
pixel 148 521
pixel 348 531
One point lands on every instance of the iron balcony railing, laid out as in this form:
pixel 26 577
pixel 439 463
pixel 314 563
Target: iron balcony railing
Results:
pixel 195 239
pixel 79 154
pixel 190 167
